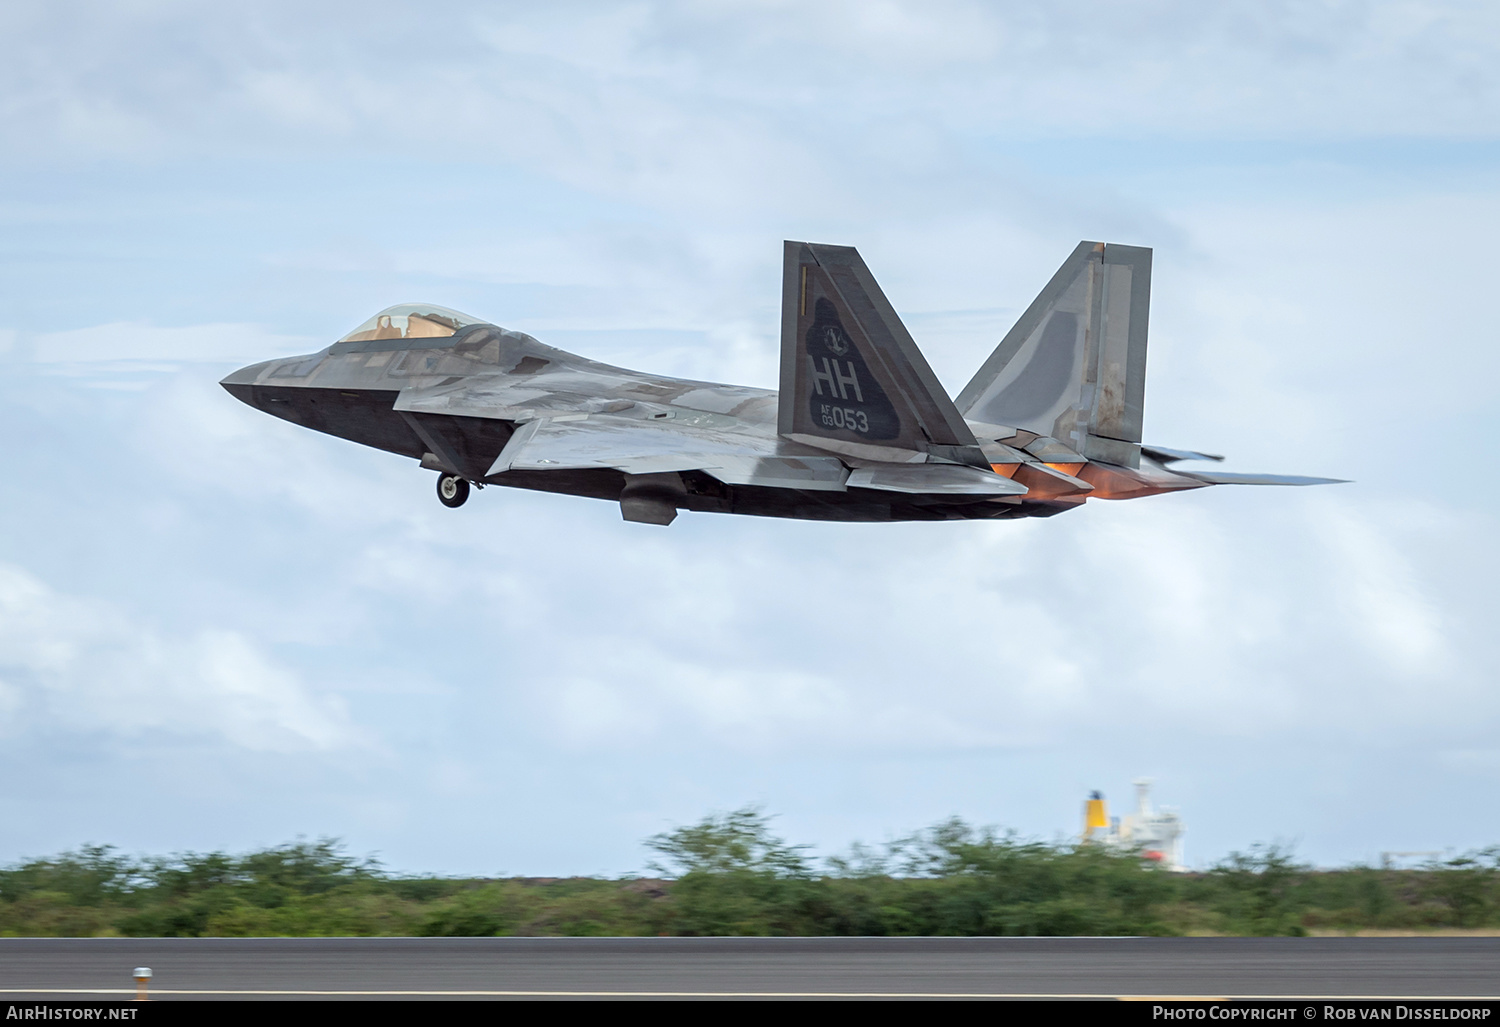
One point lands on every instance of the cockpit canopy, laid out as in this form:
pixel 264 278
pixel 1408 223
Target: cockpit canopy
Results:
pixel 411 321
pixel 436 340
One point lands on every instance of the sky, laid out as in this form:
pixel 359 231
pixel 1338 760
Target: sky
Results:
pixel 222 631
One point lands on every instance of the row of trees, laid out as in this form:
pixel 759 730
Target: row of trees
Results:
pixel 731 875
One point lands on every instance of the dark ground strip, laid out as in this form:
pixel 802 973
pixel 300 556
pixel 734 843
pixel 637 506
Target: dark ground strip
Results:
pixel 1405 967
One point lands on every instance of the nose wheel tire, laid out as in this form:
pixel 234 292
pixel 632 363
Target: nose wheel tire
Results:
pixel 452 490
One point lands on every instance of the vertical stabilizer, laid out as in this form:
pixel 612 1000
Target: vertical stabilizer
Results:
pixel 1074 365
pixel 852 378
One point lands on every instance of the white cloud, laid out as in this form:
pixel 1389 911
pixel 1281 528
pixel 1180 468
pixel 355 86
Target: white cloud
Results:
pixel 1157 616
pixel 78 665
pixel 126 342
pixel 662 150
pixel 1382 599
pixel 654 97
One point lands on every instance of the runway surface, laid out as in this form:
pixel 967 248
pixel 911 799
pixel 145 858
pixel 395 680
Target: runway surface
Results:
pixel 60 968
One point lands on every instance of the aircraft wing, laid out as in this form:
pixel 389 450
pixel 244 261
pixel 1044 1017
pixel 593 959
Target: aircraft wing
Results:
pixel 641 447
pixel 637 447
pixel 1230 478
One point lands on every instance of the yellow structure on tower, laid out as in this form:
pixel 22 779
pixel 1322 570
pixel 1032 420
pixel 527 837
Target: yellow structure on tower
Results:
pixel 1095 817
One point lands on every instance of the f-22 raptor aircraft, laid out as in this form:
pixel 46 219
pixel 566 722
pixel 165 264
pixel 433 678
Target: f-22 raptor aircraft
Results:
pixel 861 429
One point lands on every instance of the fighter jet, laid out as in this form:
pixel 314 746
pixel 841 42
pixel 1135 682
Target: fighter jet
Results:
pixel 861 429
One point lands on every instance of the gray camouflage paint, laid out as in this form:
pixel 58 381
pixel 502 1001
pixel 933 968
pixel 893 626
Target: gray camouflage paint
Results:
pixel 1051 419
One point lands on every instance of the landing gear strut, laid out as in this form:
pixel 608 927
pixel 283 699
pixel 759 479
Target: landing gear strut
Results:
pixel 452 490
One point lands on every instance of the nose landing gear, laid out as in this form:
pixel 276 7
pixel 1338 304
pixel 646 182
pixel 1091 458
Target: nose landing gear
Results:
pixel 452 490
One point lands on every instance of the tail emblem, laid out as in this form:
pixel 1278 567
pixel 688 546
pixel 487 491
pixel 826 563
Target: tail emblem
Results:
pixel 837 371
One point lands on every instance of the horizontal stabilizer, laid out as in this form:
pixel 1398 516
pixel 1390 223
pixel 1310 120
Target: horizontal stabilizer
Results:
pixel 1046 482
pixel 1161 454
pixel 935 479
pixel 1230 478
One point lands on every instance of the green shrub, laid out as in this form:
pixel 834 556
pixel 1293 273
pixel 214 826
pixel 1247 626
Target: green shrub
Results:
pixel 730 874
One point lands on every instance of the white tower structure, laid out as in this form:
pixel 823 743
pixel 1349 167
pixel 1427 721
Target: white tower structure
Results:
pixel 1157 833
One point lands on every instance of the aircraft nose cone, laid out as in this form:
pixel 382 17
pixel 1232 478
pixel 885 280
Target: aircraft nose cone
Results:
pixel 245 375
pixel 239 383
